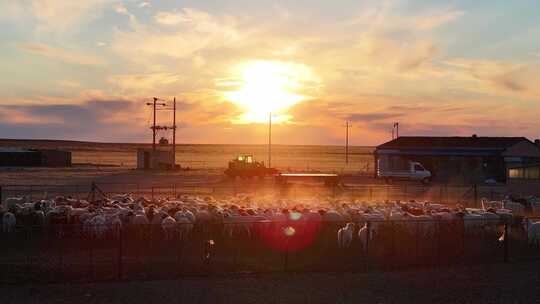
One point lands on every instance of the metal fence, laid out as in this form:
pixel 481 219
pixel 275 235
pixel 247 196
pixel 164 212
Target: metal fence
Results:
pixel 69 253
pixel 468 195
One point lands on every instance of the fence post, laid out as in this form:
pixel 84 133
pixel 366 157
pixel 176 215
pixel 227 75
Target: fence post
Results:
pixel 463 242
pixel 393 244
pixel 179 254
pixel 475 189
pixel 90 258
pixel 368 226
pixel 62 249
pixel 416 242
pixel 120 270
pixel 438 243
pixel 286 262
pixel 506 240
pixel 28 232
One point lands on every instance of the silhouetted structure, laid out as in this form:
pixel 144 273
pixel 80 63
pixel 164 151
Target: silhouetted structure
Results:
pixel 15 157
pixel 461 159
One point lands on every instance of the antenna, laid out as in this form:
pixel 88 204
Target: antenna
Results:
pixel 395 130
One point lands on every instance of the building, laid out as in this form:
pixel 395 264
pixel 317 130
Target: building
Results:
pixel 16 157
pixel 524 180
pixel 462 159
pixel 155 159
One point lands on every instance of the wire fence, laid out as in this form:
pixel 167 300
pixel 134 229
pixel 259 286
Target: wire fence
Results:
pixel 467 195
pixel 75 253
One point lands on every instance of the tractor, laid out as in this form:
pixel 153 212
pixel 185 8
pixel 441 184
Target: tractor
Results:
pixel 244 166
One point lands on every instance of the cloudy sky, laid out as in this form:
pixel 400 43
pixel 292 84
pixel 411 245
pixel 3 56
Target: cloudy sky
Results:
pixel 84 70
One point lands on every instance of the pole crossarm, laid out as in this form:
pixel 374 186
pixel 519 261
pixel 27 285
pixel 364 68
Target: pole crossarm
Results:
pixel 155 128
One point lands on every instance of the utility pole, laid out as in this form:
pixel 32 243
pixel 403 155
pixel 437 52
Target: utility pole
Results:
pixel 347 126
pixel 174 134
pixel 270 140
pixel 154 127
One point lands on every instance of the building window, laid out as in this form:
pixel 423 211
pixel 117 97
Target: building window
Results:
pixel 524 173
pixel 532 173
pixel 515 173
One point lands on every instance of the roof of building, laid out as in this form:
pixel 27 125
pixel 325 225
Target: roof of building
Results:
pixel 531 165
pixel 472 142
pixel 14 150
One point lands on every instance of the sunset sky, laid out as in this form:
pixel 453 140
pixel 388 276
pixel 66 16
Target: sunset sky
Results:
pixel 83 70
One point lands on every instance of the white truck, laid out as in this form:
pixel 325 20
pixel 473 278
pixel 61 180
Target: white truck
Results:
pixel 409 171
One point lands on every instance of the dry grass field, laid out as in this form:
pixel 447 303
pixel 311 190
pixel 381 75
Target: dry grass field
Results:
pixel 325 158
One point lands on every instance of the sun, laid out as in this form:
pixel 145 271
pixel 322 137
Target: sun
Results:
pixel 263 87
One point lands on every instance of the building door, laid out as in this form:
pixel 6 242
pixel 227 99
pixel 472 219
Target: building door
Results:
pixel 146 160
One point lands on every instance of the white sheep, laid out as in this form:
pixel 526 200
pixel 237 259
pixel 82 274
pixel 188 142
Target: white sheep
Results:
pixel 114 225
pixel 345 236
pixel 185 227
pixel 516 208
pixel 533 232
pixel 363 236
pixel 424 225
pixel 11 202
pixel 8 222
pixel 140 220
pixel 168 225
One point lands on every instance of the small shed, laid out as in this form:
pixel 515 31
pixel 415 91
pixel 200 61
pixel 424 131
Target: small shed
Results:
pixel 155 159
pixel 17 157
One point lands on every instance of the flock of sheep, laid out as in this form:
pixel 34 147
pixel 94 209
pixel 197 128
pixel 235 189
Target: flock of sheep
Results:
pixel 176 218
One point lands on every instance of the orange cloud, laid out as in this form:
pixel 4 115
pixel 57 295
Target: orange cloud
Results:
pixel 61 54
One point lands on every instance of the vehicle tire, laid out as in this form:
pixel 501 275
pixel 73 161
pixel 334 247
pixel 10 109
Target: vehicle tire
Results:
pixel 426 180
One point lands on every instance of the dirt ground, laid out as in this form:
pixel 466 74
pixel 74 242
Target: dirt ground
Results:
pixel 501 283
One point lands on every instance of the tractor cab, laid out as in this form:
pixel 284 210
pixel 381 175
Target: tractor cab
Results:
pixel 248 159
pixel 245 166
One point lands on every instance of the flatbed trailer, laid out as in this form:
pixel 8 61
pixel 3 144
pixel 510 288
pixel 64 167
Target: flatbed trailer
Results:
pixel 329 179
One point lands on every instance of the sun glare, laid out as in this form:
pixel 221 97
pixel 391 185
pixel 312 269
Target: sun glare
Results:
pixel 264 87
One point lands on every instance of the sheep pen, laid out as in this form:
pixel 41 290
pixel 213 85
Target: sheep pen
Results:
pixel 64 239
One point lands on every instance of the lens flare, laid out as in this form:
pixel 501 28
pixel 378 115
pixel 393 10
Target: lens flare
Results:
pixel 295 216
pixel 289 231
